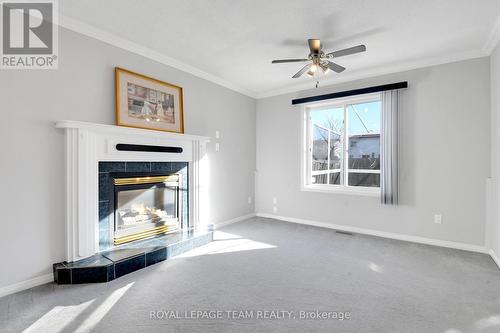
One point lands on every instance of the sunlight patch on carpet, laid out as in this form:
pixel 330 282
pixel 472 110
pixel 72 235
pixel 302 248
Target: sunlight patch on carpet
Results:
pixel 227 246
pixel 96 316
pixel 58 318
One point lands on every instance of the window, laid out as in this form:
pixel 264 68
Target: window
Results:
pixel 343 145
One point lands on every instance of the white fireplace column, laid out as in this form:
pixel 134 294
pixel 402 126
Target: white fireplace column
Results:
pixel 87 144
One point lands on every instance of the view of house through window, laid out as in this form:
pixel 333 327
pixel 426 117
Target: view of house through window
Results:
pixel 344 143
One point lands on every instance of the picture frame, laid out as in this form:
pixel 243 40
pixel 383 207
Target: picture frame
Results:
pixel 148 103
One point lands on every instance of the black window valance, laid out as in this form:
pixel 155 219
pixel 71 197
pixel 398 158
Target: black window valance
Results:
pixel 367 90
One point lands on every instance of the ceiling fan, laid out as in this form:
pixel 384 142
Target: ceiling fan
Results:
pixel 321 59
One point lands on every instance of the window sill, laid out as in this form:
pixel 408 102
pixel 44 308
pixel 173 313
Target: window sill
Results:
pixel 349 190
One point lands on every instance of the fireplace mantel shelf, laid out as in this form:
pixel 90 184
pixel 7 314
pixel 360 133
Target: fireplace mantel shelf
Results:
pixel 88 144
pixel 122 130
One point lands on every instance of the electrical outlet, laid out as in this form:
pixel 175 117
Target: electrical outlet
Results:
pixel 275 209
pixel 217 147
pixel 249 200
pixel 275 200
pixel 217 134
pixel 438 219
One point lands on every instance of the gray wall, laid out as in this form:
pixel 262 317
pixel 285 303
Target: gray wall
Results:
pixel 445 157
pixel 493 230
pixel 32 167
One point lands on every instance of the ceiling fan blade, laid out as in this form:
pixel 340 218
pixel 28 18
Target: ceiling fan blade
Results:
pixel 282 61
pixel 314 45
pixel 302 71
pixel 336 68
pixel 344 52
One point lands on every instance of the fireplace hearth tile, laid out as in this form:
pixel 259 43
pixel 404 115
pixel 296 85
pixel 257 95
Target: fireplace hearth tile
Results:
pixel 111 272
pixel 122 254
pixel 119 261
pixel 179 248
pixel 97 260
pixel 62 274
pixel 89 274
pixel 202 240
pixel 129 265
pixel 155 255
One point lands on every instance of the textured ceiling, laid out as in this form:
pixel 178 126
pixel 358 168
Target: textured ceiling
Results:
pixel 236 40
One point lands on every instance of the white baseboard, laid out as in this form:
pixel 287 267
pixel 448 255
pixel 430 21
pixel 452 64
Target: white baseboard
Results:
pixel 23 285
pixel 231 221
pixel 494 257
pixel 408 238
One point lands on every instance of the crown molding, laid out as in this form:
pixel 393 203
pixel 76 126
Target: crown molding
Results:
pixel 114 40
pixel 493 38
pixel 375 71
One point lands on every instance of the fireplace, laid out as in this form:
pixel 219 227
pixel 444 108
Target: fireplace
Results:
pixel 144 206
pixel 95 151
pixel 129 187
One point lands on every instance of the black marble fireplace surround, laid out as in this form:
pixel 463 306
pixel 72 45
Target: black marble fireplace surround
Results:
pixel 115 261
pixel 132 169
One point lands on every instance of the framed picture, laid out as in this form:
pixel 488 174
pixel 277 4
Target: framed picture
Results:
pixel 144 102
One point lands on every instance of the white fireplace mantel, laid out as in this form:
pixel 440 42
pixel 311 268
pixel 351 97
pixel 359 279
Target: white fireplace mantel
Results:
pixel 87 144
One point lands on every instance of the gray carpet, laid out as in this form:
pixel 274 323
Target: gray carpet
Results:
pixel 264 265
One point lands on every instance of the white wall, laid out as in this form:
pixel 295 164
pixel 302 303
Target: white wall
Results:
pixel 31 149
pixel 493 230
pixel 444 160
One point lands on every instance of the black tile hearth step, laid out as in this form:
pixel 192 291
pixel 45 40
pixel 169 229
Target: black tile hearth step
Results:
pixel 109 265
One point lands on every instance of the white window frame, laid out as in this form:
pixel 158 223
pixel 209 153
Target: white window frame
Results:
pixel 306 148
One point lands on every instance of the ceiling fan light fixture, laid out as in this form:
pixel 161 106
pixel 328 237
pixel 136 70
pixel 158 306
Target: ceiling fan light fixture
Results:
pixel 325 68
